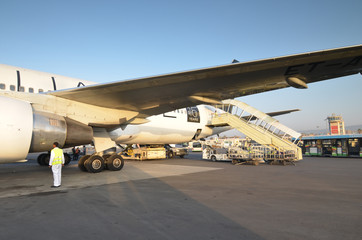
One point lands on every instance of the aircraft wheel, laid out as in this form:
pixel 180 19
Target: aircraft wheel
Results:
pixel 81 162
pixel 115 162
pixel 46 159
pixel 40 159
pixel 170 154
pixel 94 164
pixel 66 159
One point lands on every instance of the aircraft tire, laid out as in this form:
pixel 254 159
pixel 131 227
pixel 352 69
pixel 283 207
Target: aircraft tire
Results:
pixel 66 159
pixel 40 159
pixel 46 159
pixel 81 162
pixel 115 162
pixel 94 164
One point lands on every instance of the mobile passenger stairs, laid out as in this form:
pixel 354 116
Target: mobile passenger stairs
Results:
pixel 275 138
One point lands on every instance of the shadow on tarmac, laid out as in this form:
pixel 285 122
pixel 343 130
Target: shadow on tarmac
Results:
pixel 185 199
pixel 143 209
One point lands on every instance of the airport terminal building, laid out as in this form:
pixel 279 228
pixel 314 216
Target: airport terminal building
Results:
pixel 333 145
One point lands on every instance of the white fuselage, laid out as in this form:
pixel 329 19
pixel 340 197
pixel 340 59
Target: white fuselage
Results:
pixel 30 81
pixel 171 127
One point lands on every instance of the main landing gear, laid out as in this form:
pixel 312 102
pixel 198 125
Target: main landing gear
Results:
pixel 96 163
pixel 43 159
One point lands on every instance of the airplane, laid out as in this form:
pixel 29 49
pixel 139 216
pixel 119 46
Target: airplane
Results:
pixel 41 108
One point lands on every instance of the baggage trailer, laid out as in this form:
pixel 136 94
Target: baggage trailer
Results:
pixel 252 155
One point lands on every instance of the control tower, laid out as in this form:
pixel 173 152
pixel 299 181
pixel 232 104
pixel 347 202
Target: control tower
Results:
pixel 336 125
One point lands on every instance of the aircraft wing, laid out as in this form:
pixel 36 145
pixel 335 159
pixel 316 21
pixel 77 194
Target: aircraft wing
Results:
pixel 163 93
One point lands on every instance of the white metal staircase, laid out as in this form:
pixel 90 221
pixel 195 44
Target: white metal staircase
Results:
pixel 258 126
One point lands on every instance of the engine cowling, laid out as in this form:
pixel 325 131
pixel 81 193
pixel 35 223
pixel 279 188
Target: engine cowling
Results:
pixel 16 128
pixel 24 130
pixel 49 128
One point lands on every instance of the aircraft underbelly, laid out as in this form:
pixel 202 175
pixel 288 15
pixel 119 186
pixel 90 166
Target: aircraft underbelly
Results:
pixel 152 135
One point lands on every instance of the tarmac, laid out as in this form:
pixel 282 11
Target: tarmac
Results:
pixel 191 198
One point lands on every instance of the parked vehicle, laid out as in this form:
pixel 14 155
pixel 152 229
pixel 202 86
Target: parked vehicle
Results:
pixel 175 150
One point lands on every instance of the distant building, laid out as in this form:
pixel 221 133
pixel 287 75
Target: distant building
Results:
pixel 336 125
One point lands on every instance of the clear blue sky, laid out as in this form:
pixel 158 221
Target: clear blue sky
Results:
pixel 106 41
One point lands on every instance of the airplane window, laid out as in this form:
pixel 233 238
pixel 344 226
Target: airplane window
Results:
pixel 2 86
pixel 40 90
pixel 21 89
pixel 12 87
pixel 31 90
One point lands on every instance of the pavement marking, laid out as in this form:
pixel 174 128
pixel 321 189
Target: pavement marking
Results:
pixel 37 180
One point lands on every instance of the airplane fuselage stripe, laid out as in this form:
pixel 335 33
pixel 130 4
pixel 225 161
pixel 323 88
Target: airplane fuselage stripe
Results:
pixel 19 81
pixel 54 84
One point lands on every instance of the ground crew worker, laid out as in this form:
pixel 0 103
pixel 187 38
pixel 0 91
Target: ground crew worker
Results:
pixel 56 162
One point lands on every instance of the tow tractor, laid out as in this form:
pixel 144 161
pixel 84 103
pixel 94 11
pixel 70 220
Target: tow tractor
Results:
pixel 151 152
pixel 237 155
pixel 215 154
pixel 148 152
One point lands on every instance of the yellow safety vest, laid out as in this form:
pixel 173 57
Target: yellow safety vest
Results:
pixel 58 153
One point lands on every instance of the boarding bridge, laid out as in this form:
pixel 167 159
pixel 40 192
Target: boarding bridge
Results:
pixel 260 127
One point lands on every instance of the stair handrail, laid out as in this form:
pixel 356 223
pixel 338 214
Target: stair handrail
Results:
pixel 259 115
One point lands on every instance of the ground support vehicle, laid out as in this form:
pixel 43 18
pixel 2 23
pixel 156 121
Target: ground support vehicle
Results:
pixel 252 155
pixel 236 155
pixel 172 151
pixel 259 154
pixel 144 153
pixel 215 154
pixel 278 156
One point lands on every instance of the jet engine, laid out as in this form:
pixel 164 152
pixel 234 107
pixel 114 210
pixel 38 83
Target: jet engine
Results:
pixel 24 130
